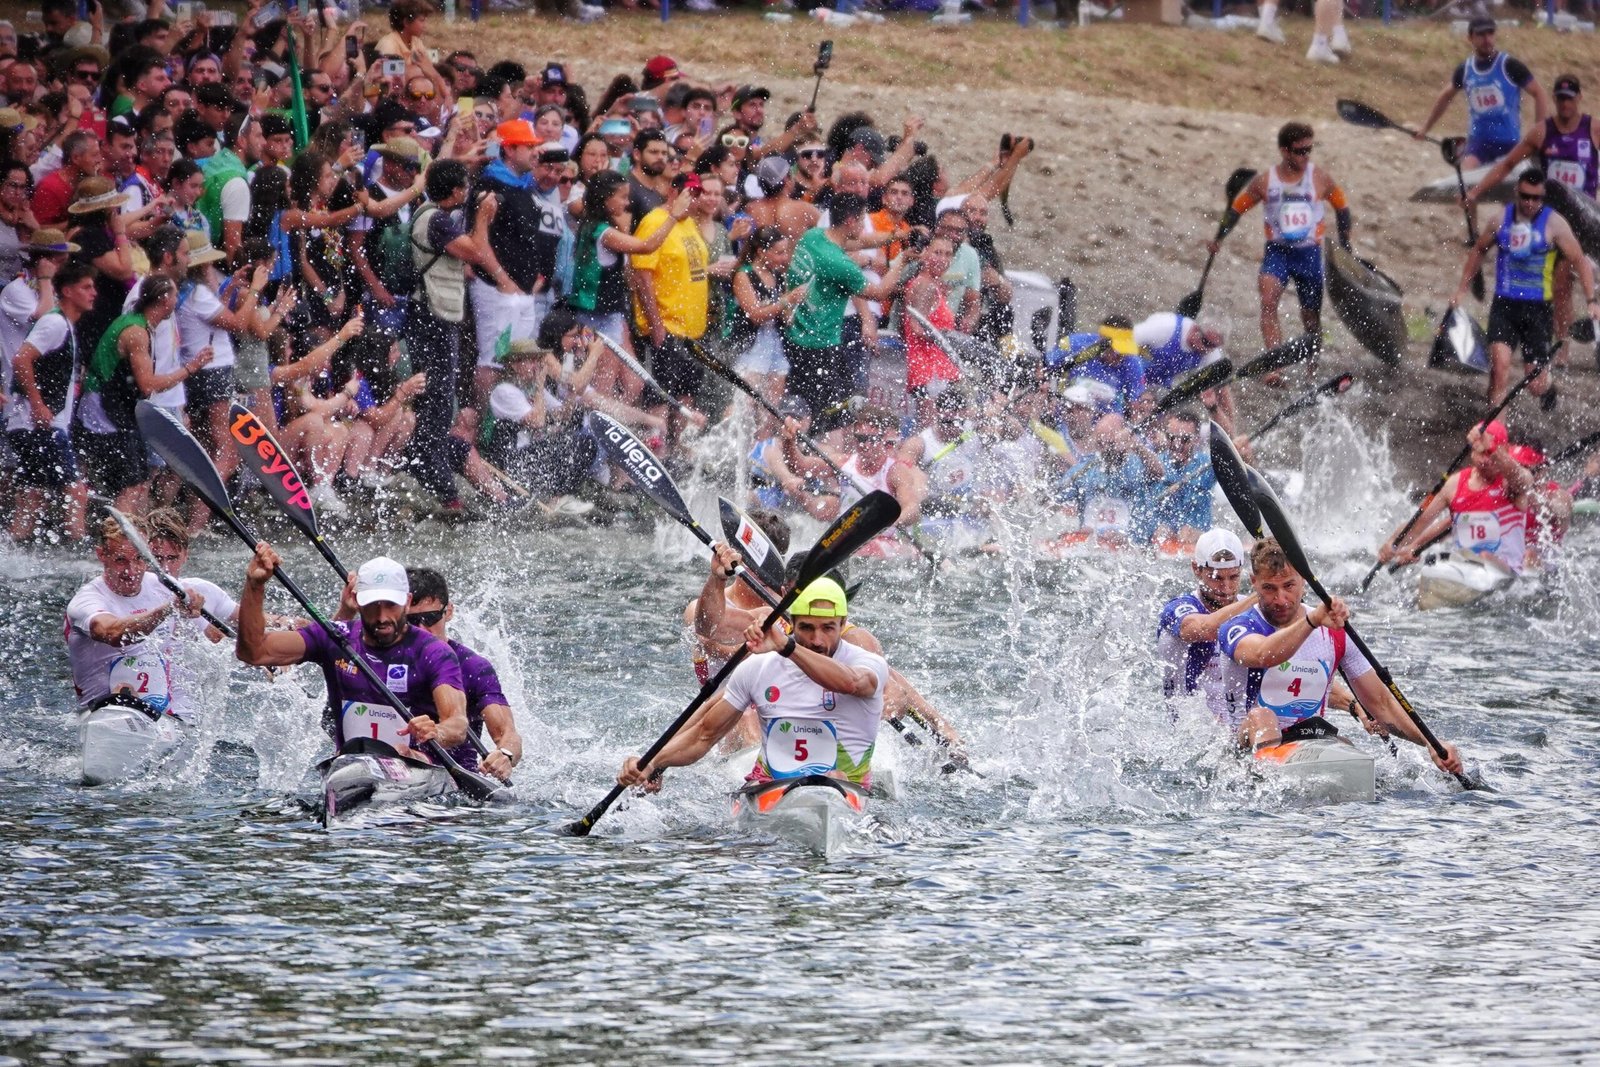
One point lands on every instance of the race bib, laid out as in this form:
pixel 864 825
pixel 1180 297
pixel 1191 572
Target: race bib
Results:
pixel 1520 239
pixel 1566 172
pixel 376 721
pixel 1478 531
pixel 1482 98
pixel 1107 514
pixel 1293 689
pixel 795 747
pixel 1295 220
pixel 143 673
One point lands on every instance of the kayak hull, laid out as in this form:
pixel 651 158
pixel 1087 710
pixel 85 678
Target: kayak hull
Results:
pixel 815 812
pixel 1368 302
pixel 1455 580
pixel 1460 344
pixel 118 741
pixel 367 778
pixel 885 764
pixel 1329 769
pixel 1581 212
pixel 1446 191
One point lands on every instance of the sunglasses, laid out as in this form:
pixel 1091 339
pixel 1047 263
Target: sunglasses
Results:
pixel 735 140
pixel 566 179
pixel 426 94
pixel 813 153
pixel 1532 198
pixel 1301 150
pixel 87 74
pixel 425 618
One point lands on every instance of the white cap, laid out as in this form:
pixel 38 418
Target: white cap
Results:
pixel 1219 550
pixel 382 579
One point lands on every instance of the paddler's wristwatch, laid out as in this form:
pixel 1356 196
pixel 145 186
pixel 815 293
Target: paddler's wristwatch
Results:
pixel 788 649
pixel 510 756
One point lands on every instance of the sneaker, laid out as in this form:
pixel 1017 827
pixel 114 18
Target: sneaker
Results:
pixel 328 501
pixel 1340 42
pixel 1319 52
pixel 1270 31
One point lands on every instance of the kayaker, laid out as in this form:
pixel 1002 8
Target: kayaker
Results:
pixel 119 626
pixel 1527 242
pixel 1488 504
pixel 1293 193
pixel 819 699
pixel 487 706
pixel 417 667
pixel 1307 648
pixel 1175 345
pixel 1186 632
pixel 1493 82
pixel 168 535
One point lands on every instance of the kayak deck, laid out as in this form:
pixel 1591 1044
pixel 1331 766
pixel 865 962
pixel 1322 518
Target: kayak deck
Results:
pixel 119 740
pixel 813 811
pixel 367 778
pixel 1454 580
pixel 1329 769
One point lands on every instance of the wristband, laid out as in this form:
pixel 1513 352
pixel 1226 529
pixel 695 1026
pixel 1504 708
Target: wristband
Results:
pixel 510 756
pixel 788 649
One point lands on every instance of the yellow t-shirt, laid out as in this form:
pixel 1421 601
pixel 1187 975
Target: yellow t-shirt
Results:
pixel 679 268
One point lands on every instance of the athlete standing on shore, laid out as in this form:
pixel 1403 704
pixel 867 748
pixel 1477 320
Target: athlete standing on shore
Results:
pixel 1494 82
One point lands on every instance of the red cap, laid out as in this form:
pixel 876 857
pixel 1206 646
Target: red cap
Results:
pixel 1526 455
pixel 662 68
pixel 1494 430
pixel 516 132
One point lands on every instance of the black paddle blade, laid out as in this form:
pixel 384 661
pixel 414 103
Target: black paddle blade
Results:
pixel 1236 183
pixel 1358 114
pixel 860 523
pixel 1287 354
pixel 1582 331
pixel 1190 305
pixel 175 444
pixel 625 449
pixel 1277 523
pixel 1450 149
pixel 1210 376
pixel 261 453
pixel 1230 471
pixel 752 543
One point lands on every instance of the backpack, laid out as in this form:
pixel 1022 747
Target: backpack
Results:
pixel 389 254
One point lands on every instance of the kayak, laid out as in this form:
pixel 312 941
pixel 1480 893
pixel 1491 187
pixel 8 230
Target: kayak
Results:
pixel 121 736
pixel 369 773
pixel 1460 344
pixel 814 811
pixel 885 764
pixel 1581 213
pixel 1329 769
pixel 1367 302
pixel 1453 579
pixel 1446 191
pixel 1081 544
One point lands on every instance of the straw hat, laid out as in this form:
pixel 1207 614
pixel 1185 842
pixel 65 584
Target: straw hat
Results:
pixel 201 251
pixel 96 194
pixel 47 240
pixel 12 119
pixel 401 150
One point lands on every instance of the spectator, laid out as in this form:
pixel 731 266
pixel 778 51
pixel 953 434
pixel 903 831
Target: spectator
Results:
pixel 17 221
pixel 524 243
pixel 671 300
pixel 81 152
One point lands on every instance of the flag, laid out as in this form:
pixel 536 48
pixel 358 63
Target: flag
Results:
pixel 297 107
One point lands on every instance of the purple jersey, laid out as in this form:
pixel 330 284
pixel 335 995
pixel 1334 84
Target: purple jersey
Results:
pixel 412 668
pixel 482 684
pixel 1189 665
pixel 1570 158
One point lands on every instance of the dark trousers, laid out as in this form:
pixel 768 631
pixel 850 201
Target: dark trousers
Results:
pixel 434 346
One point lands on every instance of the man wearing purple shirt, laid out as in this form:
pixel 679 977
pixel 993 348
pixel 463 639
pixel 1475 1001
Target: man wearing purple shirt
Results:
pixel 417 667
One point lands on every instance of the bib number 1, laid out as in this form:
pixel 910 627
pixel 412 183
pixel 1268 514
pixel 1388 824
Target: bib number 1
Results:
pixel 375 721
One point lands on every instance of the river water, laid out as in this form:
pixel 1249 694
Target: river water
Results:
pixel 1112 890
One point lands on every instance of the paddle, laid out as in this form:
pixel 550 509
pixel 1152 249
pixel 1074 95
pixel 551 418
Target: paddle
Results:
pixel 948 346
pixel 752 543
pixel 141 546
pixel 1210 376
pixel 1297 350
pixel 1582 331
pixel 1189 306
pixel 1230 471
pixel 1359 114
pixel 1338 384
pixel 638 368
pixel 1450 469
pixel 727 374
pixel 1277 521
pixel 1575 449
pixel 260 452
pixel 173 443
pixel 857 525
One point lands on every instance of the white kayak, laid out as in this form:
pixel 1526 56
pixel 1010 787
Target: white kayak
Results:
pixel 370 774
pixel 885 764
pixel 121 737
pixel 814 811
pixel 1329 769
pixel 1454 579
pixel 1446 191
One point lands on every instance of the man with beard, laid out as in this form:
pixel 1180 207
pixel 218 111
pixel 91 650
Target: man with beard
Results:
pixel 1307 648
pixel 417 667
pixel 648 183
pixel 1186 634
pixel 1113 491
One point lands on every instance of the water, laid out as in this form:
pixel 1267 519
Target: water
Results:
pixel 1114 890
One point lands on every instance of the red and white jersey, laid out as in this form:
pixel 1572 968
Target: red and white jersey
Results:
pixel 1487 521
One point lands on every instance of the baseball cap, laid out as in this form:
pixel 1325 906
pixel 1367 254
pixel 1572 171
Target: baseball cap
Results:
pixel 1494 430
pixel 381 579
pixel 516 132
pixel 769 176
pixel 1566 85
pixel 1527 455
pixel 749 92
pixel 1219 550
pixel 662 68
pixel 871 142
pixel 1121 340
pixel 822 599
pixel 1481 24
pixel 553 74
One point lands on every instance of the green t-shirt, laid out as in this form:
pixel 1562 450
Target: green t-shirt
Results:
pixel 819 320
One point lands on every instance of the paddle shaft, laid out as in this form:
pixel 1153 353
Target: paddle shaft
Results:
pixel 1450 469
pixel 1300 403
pixel 643 375
pixel 141 546
pixel 1472 224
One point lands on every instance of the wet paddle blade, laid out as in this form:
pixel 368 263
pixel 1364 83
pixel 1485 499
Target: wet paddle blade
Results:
pixel 1358 114
pixel 1340 383
pixel 759 553
pixel 262 454
pixel 1210 376
pixel 1230 471
pixel 623 447
pixel 1287 354
pixel 1236 183
pixel 1582 331
pixel 175 444
pixel 1190 305
pixel 1450 149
